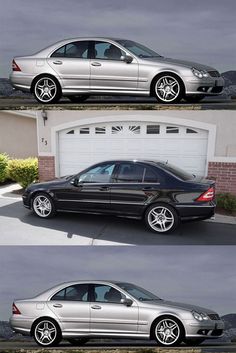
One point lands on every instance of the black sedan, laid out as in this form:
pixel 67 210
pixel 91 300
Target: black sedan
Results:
pixel 157 192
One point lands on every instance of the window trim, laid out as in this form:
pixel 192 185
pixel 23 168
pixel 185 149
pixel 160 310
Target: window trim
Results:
pixel 104 59
pixel 92 292
pixel 145 167
pixel 68 300
pixel 71 57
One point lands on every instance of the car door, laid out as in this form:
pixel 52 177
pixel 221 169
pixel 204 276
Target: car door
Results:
pixel 108 315
pixel 108 72
pixel 71 307
pixel 89 190
pixel 134 186
pixel 72 65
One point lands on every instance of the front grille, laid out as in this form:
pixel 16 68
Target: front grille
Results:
pixel 214 316
pixel 214 73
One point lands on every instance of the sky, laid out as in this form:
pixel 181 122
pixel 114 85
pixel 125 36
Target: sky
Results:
pixel 200 275
pixel 202 31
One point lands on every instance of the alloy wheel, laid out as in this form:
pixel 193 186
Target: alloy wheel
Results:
pixel 167 332
pixel 45 90
pixel 167 89
pixel 161 219
pixel 45 333
pixel 42 206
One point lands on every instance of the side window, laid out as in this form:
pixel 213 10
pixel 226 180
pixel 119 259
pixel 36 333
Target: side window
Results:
pixel 73 50
pixel 130 172
pixel 107 51
pixel 107 294
pixel 150 176
pixel 78 292
pixel 99 174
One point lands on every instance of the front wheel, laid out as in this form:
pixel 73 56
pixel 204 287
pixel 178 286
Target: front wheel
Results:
pixel 168 88
pixel 78 341
pixel 161 218
pixel 168 331
pixel 47 90
pixel 43 206
pixel 47 333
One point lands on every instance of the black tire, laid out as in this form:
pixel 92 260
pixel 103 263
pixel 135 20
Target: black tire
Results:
pixel 193 99
pixel 193 342
pixel 170 85
pixel 47 209
pixel 78 341
pixel 164 217
pixel 162 335
pixel 48 87
pixel 50 339
pixel 78 99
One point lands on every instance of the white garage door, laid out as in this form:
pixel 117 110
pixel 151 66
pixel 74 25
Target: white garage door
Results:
pixel 83 146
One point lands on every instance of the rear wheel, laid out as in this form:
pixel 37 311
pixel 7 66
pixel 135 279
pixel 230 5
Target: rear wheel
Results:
pixel 168 88
pixel 193 342
pixel 161 218
pixel 168 331
pixel 78 99
pixel 78 341
pixel 47 333
pixel 47 90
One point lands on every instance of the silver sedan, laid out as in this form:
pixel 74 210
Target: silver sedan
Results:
pixel 78 311
pixel 80 67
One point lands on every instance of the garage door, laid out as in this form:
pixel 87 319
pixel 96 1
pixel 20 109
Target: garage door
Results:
pixel 82 146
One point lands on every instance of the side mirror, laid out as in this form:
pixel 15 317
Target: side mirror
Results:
pixel 127 301
pixel 74 181
pixel 126 58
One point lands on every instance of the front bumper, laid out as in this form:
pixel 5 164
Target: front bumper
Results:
pixel 26 200
pixel 207 329
pixel 209 86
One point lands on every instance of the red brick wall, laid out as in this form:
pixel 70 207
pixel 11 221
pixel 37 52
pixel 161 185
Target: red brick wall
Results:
pixel 46 168
pixel 225 176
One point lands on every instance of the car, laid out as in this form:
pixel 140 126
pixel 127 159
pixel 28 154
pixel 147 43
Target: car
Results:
pixel 157 192
pixel 81 310
pixel 80 67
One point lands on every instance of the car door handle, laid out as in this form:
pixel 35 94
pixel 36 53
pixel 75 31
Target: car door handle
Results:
pixel 96 307
pixel 146 188
pixel 57 62
pixel 104 188
pixel 95 63
pixel 57 305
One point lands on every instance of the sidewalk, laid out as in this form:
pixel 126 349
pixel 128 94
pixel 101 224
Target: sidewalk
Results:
pixel 9 191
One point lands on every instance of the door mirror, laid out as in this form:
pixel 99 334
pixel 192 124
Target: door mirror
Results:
pixel 75 181
pixel 126 58
pixel 127 301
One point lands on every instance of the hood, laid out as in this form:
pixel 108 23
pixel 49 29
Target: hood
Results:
pixel 185 63
pixel 52 182
pixel 184 306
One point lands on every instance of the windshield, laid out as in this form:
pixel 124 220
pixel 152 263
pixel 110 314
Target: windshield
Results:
pixel 138 292
pixel 179 173
pixel 138 49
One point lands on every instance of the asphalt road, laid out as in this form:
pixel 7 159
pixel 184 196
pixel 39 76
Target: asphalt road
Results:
pixel 19 226
pixel 146 103
pixel 205 347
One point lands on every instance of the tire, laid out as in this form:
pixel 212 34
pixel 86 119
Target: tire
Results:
pixel 47 333
pixel 161 218
pixel 168 331
pixel 193 342
pixel 168 88
pixel 193 99
pixel 46 89
pixel 78 341
pixel 78 99
pixel 43 206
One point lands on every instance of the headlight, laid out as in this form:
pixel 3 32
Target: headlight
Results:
pixel 200 73
pixel 199 316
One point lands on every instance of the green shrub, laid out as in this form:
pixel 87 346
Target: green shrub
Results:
pixel 23 171
pixel 226 201
pixel 3 166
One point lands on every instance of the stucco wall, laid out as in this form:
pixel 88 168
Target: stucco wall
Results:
pixel 18 135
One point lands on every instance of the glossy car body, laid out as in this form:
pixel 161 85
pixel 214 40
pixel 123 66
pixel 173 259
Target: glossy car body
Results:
pixel 80 67
pixel 130 188
pixel 87 309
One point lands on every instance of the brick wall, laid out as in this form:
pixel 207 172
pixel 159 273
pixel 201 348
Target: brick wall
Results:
pixel 225 176
pixel 46 168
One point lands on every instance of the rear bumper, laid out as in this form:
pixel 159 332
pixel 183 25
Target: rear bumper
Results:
pixel 197 211
pixel 21 81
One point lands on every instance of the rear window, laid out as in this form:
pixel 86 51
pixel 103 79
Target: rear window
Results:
pixel 178 172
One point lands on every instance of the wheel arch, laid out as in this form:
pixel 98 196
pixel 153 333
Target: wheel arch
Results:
pixel 165 72
pixel 36 321
pixel 163 316
pixel 156 203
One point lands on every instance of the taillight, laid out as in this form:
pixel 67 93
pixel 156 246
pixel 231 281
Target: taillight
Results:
pixel 15 310
pixel 15 67
pixel 207 195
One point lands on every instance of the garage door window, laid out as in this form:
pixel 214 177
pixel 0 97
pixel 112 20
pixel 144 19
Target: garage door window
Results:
pixel 99 174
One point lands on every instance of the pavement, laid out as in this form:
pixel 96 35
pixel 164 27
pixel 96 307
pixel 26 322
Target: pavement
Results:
pixel 19 226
